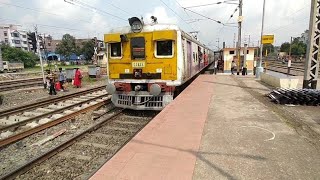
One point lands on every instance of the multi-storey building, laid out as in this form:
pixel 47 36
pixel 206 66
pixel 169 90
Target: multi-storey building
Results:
pixel 14 37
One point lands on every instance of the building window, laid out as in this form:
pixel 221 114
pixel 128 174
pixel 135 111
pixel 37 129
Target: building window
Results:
pixel 6 40
pixel 231 52
pixel 164 48
pixel 247 51
pixel 14 34
pixel 5 33
pixel 138 48
pixel 24 42
pixel 49 44
pixel 17 41
pixel 24 36
pixel 115 49
pixel 26 49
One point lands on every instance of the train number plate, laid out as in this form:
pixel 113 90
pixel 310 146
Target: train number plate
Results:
pixel 138 64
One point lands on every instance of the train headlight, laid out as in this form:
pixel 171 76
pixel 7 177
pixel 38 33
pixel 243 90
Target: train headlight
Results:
pixel 155 89
pixel 111 88
pixel 136 24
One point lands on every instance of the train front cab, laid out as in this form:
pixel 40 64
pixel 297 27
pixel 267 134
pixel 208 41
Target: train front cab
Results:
pixel 142 69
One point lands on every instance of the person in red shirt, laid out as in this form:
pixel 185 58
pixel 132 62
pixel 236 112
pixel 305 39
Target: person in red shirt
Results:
pixel 77 78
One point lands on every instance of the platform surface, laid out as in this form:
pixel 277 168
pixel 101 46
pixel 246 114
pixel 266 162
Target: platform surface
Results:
pixel 217 129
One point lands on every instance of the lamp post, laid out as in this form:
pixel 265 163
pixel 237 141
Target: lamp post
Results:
pixel 260 68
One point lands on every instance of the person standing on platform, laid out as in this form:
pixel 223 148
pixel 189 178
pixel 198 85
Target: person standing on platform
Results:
pixel 233 65
pixel 77 78
pixel 215 66
pixel 61 79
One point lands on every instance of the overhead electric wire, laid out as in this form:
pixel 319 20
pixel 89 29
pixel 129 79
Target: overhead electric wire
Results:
pixel 85 5
pixel 220 2
pixel 40 11
pixel 219 22
pixel 177 14
pixel 121 9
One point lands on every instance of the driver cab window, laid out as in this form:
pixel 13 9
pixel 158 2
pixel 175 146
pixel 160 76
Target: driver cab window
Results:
pixel 115 50
pixel 164 48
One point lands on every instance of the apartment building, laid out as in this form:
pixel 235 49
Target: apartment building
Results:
pixel 14 37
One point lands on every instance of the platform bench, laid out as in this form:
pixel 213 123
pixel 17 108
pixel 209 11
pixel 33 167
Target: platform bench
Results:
pixel 279 80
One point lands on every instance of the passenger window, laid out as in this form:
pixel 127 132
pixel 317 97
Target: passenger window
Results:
pixel 115 50
pixel 164 48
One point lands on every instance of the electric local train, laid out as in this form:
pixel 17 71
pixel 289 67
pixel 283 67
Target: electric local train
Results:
pixel 148 63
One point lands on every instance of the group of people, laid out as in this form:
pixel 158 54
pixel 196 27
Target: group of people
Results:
pixel 54 85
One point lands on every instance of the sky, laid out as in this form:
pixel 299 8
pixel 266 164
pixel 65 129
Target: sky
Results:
pixel 90 18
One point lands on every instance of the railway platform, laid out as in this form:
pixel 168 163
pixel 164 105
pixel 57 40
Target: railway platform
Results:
pixel 222 127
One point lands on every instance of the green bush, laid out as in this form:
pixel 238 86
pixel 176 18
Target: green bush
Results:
pixel 18 55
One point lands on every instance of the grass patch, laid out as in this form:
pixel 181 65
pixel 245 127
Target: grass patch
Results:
pixel 38 68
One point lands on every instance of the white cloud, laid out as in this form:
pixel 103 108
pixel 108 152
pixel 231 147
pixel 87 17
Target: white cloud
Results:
pixel 284 18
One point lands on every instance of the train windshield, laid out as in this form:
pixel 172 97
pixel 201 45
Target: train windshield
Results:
pixel 138 48
pixel 164 48
pixel 115 49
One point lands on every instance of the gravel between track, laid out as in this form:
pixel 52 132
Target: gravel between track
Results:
pixel 22 151
pixel 84 157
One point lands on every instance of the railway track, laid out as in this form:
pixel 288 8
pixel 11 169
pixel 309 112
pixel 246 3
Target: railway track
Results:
pixel 19 84
pixel 23 121
pixel 297 68
pixel 7 112
pixel 85 151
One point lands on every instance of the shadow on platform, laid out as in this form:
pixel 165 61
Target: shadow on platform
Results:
pixel 199 155
pixel 225 84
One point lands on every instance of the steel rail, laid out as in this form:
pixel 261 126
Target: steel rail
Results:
pixel 56 111
pixel 25 167
pixel 44 102
pixel 19 86
pixel 2 83
pixel 18 136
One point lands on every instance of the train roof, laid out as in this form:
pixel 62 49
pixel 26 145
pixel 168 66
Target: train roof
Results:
pixel 146 28
pixel 154 27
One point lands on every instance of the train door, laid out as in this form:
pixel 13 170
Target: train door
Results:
pixel 189 58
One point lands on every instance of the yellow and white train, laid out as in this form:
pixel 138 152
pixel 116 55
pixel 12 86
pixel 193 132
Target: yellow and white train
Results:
pixel 148 63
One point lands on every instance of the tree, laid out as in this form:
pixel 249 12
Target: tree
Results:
pixel 12 54
pixel 298 48
pixel 285 47
pixel 87 49
pixel 268 47
pixel 67 46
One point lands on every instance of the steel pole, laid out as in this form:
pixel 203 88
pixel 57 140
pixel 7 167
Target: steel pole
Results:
pixel 40 56
pixel 1 62
pixel 239 36
pixel 260 68
pixel 312 63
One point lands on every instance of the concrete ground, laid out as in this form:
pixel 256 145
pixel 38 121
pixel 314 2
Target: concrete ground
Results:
pixel 248 137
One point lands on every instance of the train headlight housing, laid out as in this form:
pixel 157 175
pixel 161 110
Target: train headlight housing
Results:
pixel 111 88
pixel 155 89
pixel 136 24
